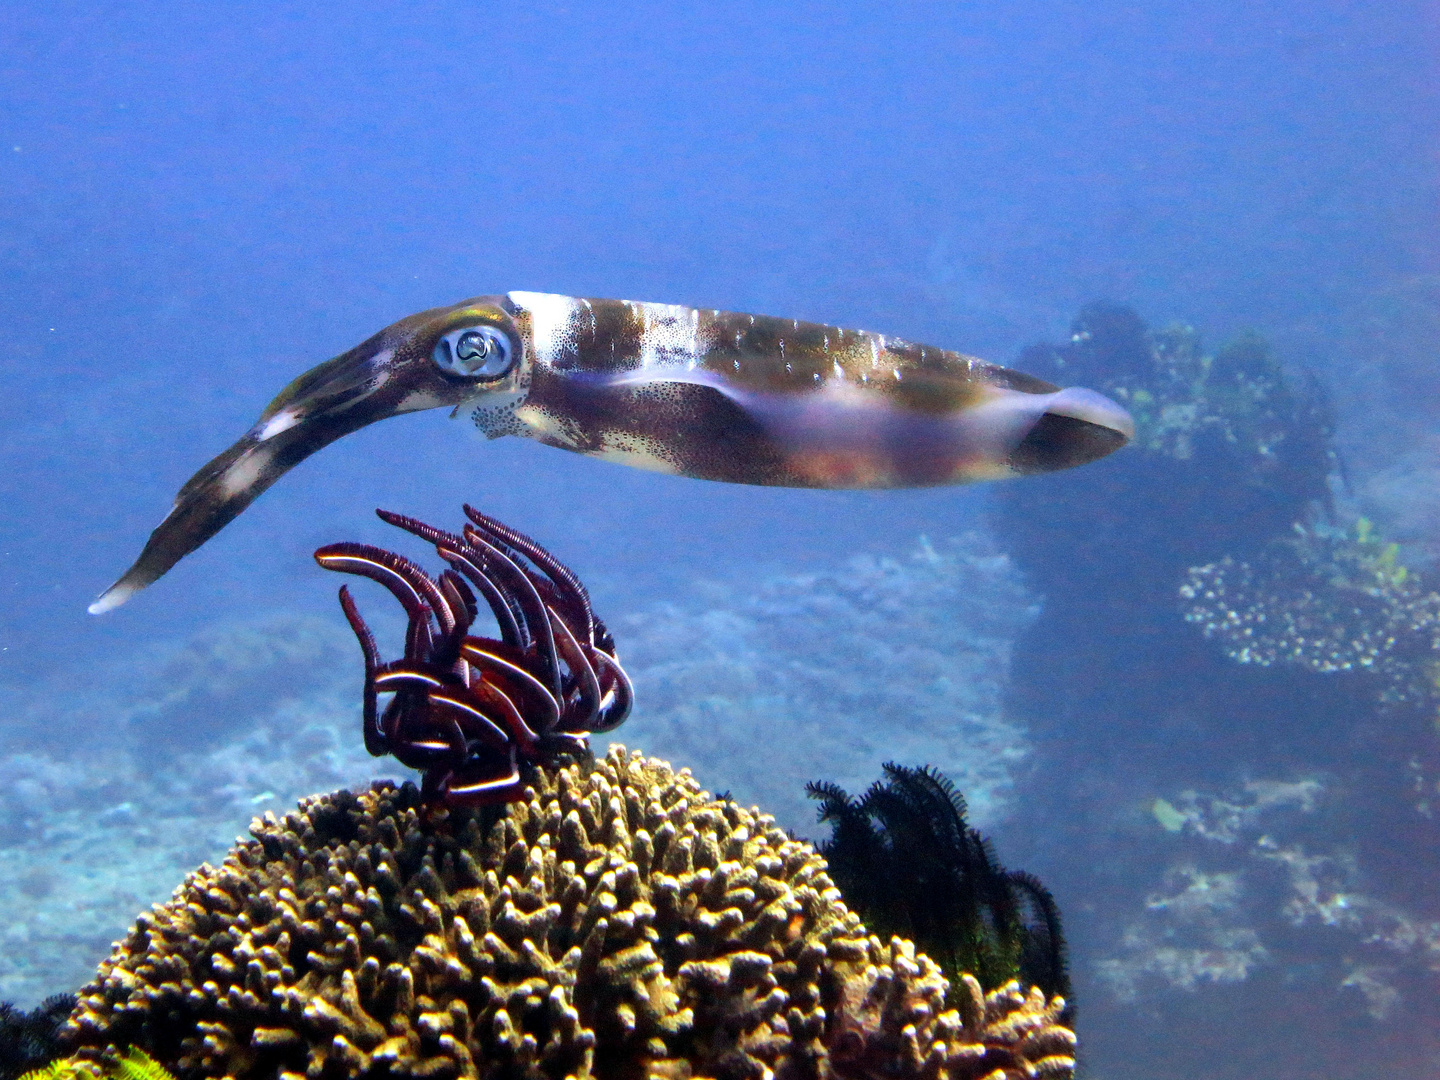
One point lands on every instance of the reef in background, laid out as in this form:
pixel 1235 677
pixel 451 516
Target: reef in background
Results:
pixel 1124 700
pixel 1380 362
pixel 1249 868
pixel 1227 454
pixel 1328 602
pixel 765 686
pixel 159 761
pixel 617 922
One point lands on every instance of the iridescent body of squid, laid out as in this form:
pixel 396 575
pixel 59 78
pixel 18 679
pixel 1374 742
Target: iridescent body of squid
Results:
pixel 712 394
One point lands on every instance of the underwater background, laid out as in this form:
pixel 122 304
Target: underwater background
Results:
pixel 1222 213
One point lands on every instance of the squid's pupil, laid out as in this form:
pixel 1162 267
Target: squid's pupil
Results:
pixel 472 346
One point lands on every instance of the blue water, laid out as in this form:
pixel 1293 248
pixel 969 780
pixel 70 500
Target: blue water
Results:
pixel 199 202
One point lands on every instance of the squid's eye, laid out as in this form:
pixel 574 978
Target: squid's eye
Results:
pixel 479 352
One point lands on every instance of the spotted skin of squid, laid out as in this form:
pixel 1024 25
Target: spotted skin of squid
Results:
pixel 697 392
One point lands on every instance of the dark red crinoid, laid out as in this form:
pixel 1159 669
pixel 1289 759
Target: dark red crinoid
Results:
pixel 468 710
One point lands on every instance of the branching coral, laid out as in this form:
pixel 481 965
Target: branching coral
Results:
pixel 871 658
pixel 616 922
pixel 1327 601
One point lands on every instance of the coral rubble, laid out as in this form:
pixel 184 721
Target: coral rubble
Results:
pixel 617 922
pixel 1327 601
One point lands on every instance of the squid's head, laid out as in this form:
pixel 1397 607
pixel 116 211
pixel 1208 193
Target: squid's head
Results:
pixel 439 358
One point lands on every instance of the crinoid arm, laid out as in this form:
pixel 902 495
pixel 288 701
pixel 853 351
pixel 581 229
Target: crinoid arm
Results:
pixel 407 582
pixel 617 694
pixel 374 738
pixel 501 667
pixel 574 597
pixel 505 608
pixel 907 860
pixel 477 784
pixel 516 584
pixel 582 688
pixel 1043 961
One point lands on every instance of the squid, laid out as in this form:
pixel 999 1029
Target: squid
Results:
pixel 717 395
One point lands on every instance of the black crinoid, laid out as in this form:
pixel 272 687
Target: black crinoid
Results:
pixel 908 862
pixel 31 1040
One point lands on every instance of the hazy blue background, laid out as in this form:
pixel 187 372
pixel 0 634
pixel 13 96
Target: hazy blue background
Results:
pixel 197 202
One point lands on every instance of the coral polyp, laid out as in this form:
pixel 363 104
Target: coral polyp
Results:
pixel 466 710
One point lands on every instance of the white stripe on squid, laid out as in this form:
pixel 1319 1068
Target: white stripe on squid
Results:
pixel 669 334
pixel 553 321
